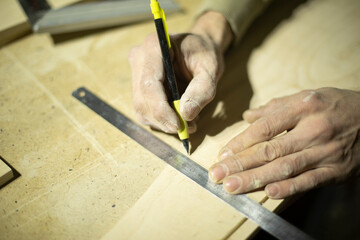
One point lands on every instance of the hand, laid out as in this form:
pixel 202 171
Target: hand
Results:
pixel 198 63
pixel 320 144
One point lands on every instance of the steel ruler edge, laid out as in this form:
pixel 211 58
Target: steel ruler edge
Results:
pixel 267 220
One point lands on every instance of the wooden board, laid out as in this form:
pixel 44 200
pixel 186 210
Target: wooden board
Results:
pixel 318 47
pixel 14 23
pixel 268 74
pixel 5 173
pixel 82 178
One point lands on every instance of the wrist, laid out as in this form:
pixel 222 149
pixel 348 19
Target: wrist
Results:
pixel 213 25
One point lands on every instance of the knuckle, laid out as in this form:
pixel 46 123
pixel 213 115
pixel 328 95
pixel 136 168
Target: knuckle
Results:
pixel 273 102
pixel 300 161
pixel 264 129
pixel 255 182
pixel 237 143
pixel 239 165
pixel 293 164
pixel 287 169
pixel 146 83
pixel 313 181
pixel 311 100
pixel 323 126
pixel 306 92
pixel 293 188
pixel 268 151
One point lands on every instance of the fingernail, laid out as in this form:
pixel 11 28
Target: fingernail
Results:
pixel 232 184
pixel 225 153
pixel 218 173
pixel 272 190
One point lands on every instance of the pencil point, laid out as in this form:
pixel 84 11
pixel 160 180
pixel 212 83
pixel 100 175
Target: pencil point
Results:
pixel 186 145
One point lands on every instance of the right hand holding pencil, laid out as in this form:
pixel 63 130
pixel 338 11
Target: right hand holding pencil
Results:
pixel 198 62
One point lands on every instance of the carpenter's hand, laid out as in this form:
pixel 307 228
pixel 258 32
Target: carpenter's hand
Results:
pixel 198 64
pixel 321 144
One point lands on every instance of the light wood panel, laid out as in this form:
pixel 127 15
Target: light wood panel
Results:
pixel 13 22
pixel 5 173
pixel 319 46
pixel 81 177
pixel 279 67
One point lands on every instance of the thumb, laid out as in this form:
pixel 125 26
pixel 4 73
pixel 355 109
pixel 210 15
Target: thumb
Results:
pixel 200 91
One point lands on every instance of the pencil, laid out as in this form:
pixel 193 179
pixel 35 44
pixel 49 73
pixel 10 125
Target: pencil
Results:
pixel 165 46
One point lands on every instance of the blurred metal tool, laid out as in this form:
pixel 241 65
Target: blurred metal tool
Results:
pixel 269 221
pixel 88 15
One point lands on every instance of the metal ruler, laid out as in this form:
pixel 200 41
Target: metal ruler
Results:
pixel 269 221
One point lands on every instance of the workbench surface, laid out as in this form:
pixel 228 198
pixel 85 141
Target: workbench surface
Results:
pixel 80 177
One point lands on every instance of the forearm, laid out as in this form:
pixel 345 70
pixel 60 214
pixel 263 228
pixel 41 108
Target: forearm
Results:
pixel 214 25
pixel 239 14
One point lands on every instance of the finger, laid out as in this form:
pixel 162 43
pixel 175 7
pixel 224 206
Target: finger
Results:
pixel 305 181
pixel 146 57
pixel 251 115
pixel 302 101
pixel 258 155
pixel 273 105
pixel 283 168
pixel 153 112
pixel 198 94
pixel 192 127
pixel 205 64
pixel 252 157
pixel 150 100
pixel 160 110
pixel 265 152
pixel 262 130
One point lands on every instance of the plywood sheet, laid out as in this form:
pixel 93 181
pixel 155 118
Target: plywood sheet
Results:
pixel 81 177
pixel 5 173
pixel 13 22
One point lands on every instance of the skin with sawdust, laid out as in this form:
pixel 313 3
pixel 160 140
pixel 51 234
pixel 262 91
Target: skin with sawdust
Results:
pixel 320 127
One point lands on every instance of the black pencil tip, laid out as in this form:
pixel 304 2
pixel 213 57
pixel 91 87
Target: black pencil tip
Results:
pixel 186 145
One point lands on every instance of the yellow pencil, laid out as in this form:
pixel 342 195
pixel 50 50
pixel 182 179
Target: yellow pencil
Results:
pixel 165 45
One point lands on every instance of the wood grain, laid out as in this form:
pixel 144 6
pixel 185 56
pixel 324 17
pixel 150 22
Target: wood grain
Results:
pixel 82 179
pixel 5 173
pixel 276 69
pixel 318 47
pixel 13 22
